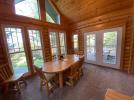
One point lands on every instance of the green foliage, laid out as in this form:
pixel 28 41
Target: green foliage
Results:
pixel 110 38
pixel 48 18
pixel 38 58
pixel 18 60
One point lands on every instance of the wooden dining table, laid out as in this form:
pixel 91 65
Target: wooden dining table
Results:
pixel 59 66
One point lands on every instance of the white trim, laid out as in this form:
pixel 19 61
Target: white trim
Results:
pixel 85 50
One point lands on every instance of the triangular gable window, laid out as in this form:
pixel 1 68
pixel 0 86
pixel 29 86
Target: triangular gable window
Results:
pixel 51 15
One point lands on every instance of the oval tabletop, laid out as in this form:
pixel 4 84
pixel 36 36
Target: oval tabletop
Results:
pixel 60 65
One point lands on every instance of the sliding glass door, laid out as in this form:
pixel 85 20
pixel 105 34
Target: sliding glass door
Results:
pixel 104 47
pixel 15 48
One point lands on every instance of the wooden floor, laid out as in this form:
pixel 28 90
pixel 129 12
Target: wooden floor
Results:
pixel 92 86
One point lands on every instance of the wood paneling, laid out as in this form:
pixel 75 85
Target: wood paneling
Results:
pixel 127 46
pixel 79 10
pixel 9 9
pixel 131 68
pixel 3 58
pixel 106 18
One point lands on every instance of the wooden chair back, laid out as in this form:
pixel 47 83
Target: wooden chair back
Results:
pixel 74 68
pixel 4 72
pixel 44 81
pixel 40 73
pixel 80 53
pixel 81 61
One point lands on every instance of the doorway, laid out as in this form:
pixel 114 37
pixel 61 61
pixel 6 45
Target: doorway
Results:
pixel 104 47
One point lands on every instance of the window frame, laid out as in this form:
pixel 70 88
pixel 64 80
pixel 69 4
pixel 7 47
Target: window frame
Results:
pixel 39 11
pixel 75 49
pixel 3 26
pixel 56 11
pixel 57 43
pixel 65 43
pixel 58 40
pixel 41 41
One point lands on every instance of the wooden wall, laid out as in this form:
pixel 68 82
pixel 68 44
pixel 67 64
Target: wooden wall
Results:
pixel 6 7
pixel 118 18
pixel 131 68
pixel 79 10
pixel 109 19
pixel 8 17
pixel 2 53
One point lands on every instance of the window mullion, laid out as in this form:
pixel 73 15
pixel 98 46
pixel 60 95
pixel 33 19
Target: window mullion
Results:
pixel 12 40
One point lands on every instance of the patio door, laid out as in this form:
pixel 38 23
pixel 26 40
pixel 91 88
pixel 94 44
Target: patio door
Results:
pixel 15 48
pixel 104 47
pixel 90 47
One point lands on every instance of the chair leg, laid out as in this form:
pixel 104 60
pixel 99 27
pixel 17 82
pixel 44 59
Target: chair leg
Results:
pixel 24 81
pixel 41 85
pixel 72 81
pixel 17 86
pixel 80 72
pixel 47 89
pixel 5 88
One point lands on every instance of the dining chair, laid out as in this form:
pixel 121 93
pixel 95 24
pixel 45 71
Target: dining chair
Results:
pixel 11 81
pixel 71 75
pixel 114 95
pixel 47 80
pixel 80 66
pixel 70 51
pixel 80 53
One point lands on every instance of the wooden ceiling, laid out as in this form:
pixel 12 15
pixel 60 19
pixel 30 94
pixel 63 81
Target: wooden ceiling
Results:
pixel 79 10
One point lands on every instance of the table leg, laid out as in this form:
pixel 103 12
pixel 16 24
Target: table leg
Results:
pixel 5 88
pixel 61 79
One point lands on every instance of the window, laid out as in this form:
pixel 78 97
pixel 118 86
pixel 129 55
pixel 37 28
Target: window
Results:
pixel 109 47
pixel 51 15
pixel 75 42
pixel 62 43
pixel 58 44
pixel 27 8
pixel 54 44
pixel 16 49
pixel 35 43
